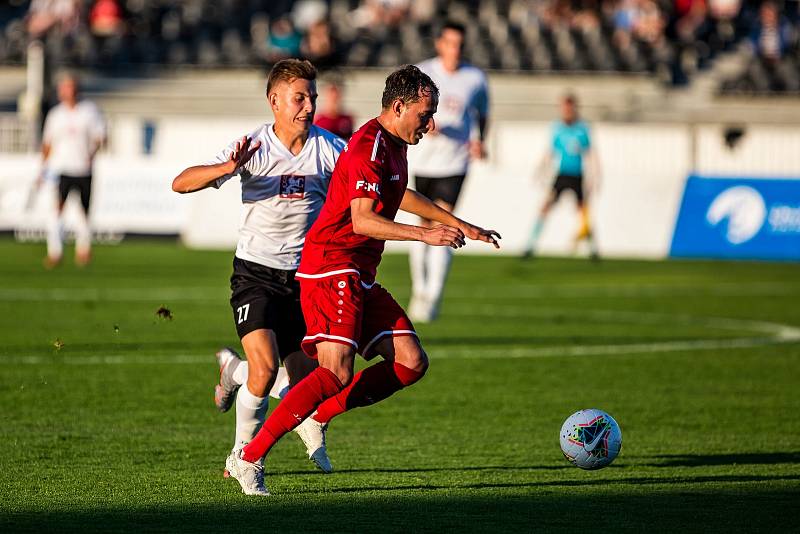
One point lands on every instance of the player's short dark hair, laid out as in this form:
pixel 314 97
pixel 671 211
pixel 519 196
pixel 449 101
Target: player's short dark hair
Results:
pixel 570 98
pixel 406 84
pixel 288 70
pixel 453 25
pixel 66 74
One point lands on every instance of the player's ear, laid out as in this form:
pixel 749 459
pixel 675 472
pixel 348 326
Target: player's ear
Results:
pixel 272 98
pixel 397 106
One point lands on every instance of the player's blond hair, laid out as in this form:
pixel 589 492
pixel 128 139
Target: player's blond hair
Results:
pixel 289 70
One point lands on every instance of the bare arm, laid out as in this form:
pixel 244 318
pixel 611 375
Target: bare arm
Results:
pixel 593 173
pixel 201 176
pixel 46 149
pixel 544 169
pixel 418 204
pixel 367 222
pixel 477 147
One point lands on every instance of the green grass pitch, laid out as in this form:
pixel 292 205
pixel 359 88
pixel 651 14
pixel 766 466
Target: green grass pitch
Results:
pixel 108 422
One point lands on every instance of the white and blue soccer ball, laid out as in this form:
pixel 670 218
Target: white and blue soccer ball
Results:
pixel 590 439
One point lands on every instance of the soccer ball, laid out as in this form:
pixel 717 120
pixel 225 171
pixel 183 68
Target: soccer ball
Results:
pixel 590 439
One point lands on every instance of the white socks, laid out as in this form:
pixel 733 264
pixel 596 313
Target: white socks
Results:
pixel 239 376
pixel 429 268
pixel 417 260
pixel 251 412
pixel 279 388
pixel 83 235
pixel 55 236
pixel 438 264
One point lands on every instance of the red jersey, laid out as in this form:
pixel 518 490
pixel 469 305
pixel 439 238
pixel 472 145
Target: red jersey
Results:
pixel 341 125
pixel 370 166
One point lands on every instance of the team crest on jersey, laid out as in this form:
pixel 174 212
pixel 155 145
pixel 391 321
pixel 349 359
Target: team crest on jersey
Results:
pixel 293 186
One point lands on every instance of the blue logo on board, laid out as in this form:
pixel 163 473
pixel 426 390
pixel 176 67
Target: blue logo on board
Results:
pixel 744 218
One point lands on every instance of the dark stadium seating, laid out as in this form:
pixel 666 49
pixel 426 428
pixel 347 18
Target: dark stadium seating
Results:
pixel 669 39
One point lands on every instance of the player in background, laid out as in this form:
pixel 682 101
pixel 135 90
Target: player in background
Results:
pixel 332 117
pixel 346 310
pixel 441 160
pixel 285 168
pixel 74 130
pixel 575 158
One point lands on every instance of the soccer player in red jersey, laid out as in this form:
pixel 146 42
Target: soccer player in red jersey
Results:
pixel 346 311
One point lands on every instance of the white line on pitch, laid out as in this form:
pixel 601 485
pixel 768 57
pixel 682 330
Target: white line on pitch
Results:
pixel 779 330
pixel 442 352
pixel 167 294
pixel 508 292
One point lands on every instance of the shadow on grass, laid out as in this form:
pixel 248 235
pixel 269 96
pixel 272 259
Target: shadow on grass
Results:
pixel 727 509
pixel 445 469
pixel 702 460
pixel 630 481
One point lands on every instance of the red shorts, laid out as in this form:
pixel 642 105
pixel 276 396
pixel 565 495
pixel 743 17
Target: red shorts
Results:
pixel 341 309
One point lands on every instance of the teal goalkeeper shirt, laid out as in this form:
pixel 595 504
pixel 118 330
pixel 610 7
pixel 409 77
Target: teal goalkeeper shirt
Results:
pixel 570 143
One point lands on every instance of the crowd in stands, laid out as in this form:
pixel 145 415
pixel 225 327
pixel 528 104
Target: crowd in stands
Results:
pixel 671 39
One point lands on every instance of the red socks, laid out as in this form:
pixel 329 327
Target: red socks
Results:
pixel 369 386
pixel 301 400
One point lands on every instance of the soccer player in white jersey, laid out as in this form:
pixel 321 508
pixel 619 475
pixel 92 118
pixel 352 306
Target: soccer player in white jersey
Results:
pixel 74 131
pixel 440 162
pixel 285 168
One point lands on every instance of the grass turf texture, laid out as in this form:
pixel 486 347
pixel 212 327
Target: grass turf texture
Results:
pixel 108 420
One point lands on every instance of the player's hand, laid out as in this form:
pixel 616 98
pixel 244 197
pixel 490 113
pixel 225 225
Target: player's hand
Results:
pixel 443 236
pixel 477 233
pixel 242 153
pixel 477 150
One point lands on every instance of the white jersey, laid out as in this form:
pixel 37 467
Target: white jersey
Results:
pixel 73 135
pixel 463 98
pixel 282 194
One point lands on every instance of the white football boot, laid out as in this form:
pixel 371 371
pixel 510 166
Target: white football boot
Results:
pixel 313 435
pixel 249 475
pixel 225 390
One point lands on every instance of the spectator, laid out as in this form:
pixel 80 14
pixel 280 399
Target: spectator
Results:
pixel 332 117
pixel 381 13
pixel 773 34
pixel 283 40
pixel 44 15
pixel 105 18
pixel 771 39
pixel 319 47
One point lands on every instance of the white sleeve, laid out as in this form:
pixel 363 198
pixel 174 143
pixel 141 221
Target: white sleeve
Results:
pixel 330 147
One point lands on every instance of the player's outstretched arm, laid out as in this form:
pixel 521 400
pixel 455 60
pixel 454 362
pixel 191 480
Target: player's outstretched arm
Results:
pixel 201 176
pixel 418 204
pixel 367 222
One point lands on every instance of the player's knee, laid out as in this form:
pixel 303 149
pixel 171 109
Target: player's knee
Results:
pixel 345 375
pixel 415 359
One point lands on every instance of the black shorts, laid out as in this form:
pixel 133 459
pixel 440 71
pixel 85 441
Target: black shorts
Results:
pixel 445 189
pixel 263 297
pixel 564 182
pixel 81 184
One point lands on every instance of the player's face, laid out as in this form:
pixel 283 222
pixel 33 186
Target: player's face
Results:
pixel 449 47
pixel 67 91
pixel 294 104
pixel 568 111
pixel 416 118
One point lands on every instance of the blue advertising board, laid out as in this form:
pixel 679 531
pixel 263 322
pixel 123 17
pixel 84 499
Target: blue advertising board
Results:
pixel 742 218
